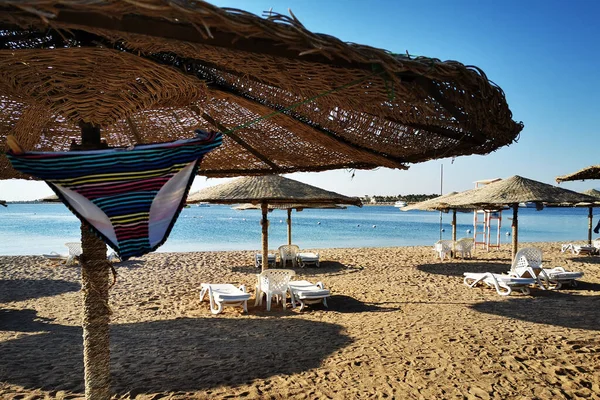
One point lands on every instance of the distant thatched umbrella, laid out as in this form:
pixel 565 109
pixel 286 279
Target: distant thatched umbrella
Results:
pixel 439 204
pixel 50 199
pixel 514 190
pixel 3 203
pixel 596 194
pixel 266 190
pixel 289 208
pixel 592 172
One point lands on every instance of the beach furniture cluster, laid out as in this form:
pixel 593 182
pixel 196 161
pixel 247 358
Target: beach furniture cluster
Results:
pixel 289 253
pixel 451 248
pixel 589 249
pixel 526 271
pixel 271 284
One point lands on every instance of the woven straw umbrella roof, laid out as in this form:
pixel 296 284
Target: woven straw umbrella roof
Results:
pixel 296 206
pixel 436 204
pixel 514 190
pixel 269 189
pixel 3 203
pixel 153 71
pixel 593 192
pixel 592 172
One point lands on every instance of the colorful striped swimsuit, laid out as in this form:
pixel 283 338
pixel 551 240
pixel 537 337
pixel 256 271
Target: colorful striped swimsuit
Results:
pixel 131 198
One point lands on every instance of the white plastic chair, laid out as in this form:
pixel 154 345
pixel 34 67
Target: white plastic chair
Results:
pixel 528 264
pixel 273 282
pixel 304 292
pixel 288 252
pixel 75 251
pixel 554 278
pixel 443 248
pixel 464 247
pixel 224 294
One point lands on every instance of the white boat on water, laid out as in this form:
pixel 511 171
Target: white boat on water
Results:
pixel 400 204
pixel 529 204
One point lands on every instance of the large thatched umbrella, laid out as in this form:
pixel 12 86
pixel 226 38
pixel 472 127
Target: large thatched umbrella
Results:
pixel 440 203
pixel 287 99
pixel 592 172
pixel 514 190
pixel 288 208
pixel 3 203
pixel 269 190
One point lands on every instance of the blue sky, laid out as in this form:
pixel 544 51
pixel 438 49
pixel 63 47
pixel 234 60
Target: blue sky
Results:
pixel 544 55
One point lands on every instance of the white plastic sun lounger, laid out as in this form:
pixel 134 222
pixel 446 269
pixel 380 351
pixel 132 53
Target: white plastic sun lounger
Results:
pixel 528 263
pixel 224 294
pixel 305 293
pixel 271 260
pixel 54 256
pixel 559 276
pixel 504 284
pixel 307 258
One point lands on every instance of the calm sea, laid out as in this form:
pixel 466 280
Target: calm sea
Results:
pixel 29 229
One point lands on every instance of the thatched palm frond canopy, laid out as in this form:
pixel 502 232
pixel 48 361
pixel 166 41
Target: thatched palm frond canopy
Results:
pixel 293 206
pixel 439 203
pixel 514 190
pixel 270 189
pixel 593 192
pixel 592 172
pixel 153 71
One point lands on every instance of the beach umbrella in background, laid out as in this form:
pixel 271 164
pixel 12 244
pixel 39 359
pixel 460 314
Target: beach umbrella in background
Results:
pixel 270 190
pixel 50 199
pixel 596 194
pixel 119 73
pixel 3 203
pixel 288 208
pixel 512 191
pixel 440 204
pixel 591 172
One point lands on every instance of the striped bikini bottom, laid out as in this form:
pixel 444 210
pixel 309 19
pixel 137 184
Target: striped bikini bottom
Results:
pixel 130 198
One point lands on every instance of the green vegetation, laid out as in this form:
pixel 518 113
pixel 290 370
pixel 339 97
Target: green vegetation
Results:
pixel 409 198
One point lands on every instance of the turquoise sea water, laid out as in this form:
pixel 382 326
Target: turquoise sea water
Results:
pixel 29 229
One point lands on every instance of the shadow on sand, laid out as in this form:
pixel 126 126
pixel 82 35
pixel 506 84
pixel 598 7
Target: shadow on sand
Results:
pixel 325 268
pixel 24 289
pixel 550 308
pixel 173 355
pixel 347 304
pixel 458 268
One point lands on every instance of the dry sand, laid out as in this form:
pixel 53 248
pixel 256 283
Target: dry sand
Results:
pixel 400 325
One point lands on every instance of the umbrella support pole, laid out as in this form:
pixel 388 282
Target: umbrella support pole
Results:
pixel 454 233
pixel 590 223
pixel 95 274
pixel 264 222
pixel 289 225
pixel 515 231
pixel 95 277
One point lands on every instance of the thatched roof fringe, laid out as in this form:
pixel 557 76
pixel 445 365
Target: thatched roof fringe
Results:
pixel 592 172
pixel 328 104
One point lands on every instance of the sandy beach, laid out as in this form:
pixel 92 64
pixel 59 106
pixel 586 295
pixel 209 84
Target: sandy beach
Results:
pixel 401 324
